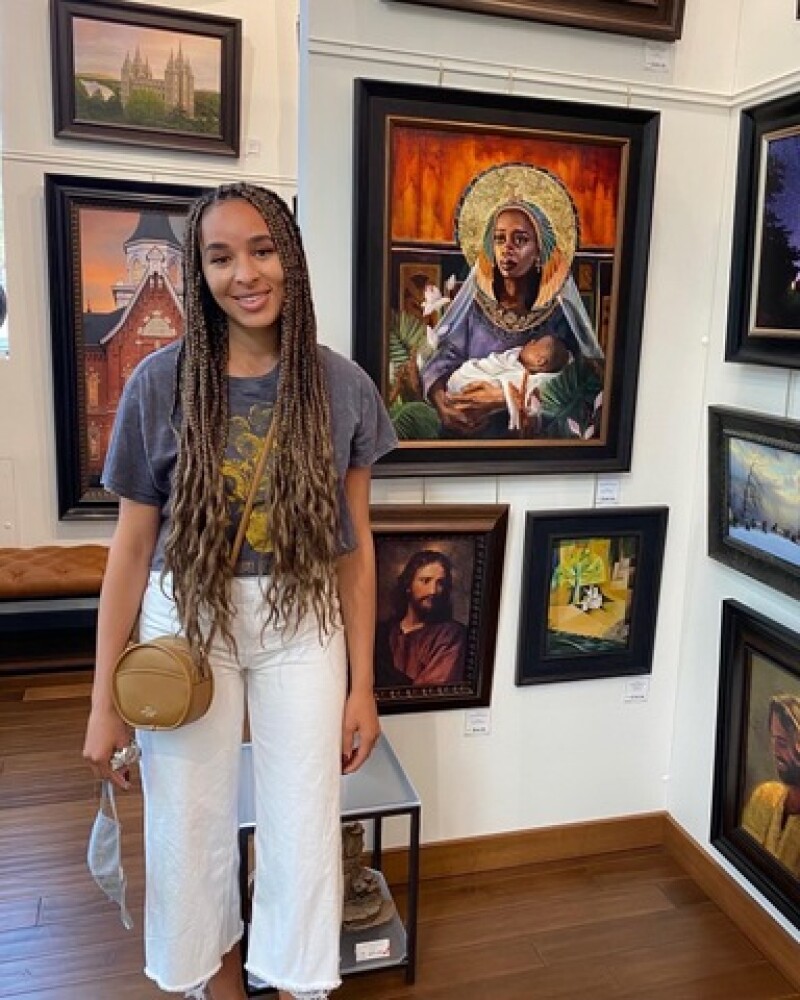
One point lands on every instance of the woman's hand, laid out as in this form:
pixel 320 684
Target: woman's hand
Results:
pixel 467 412
pixel 360 719
pixel 480 398
pixel 105 734
pixel 124 582
pixel 356 579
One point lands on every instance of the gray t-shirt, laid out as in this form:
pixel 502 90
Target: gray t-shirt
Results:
pixel 142 453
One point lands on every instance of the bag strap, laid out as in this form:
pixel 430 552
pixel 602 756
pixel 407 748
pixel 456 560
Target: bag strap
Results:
pixel 251 496
pixel 248 509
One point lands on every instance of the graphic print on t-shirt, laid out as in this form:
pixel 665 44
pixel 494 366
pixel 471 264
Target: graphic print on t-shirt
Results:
pixel 246 435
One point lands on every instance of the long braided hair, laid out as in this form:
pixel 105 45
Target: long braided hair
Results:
pixel 304 501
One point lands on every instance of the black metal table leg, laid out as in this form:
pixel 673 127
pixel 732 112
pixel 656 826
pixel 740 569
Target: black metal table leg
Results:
pixel 244 879
pixel 413 896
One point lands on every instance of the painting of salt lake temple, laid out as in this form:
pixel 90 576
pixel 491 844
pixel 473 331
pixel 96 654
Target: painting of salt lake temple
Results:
pixel 147 76
pixel 590 593
pixel 754 495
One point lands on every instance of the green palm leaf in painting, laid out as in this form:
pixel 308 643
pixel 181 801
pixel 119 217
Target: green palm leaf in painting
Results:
pixel 569 396
pixel 408 343
pixel 415 421
pixel 407 336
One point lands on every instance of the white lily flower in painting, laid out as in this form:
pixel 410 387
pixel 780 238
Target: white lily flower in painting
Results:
pixel 433 300
pixel 432 337
pixel 533 404
pixel 574 426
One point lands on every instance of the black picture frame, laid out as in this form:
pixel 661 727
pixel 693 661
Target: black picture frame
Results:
pixel 469 541
pixel 616 291
pixel 763 326
pixel 759 659
pixel 658 19
pixel 753 508
pixel 88 366
pixel 141 107
pixel 589 610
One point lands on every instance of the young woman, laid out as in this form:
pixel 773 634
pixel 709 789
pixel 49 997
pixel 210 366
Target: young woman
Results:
pixel 281 629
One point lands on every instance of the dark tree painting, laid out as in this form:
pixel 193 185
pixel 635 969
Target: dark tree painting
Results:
pixel 778 298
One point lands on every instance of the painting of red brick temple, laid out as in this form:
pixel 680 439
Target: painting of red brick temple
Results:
pixel 115 261
pixel 131 304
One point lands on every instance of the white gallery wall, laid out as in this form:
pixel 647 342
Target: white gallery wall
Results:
pixel 563 753
pixel 559 753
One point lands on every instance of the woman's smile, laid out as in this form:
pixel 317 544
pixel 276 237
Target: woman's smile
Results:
pixel 252 301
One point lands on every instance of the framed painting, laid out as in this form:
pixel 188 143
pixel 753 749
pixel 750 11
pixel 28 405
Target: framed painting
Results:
pixel 764 297
pixel 500 267
pixel 115 256
pixel 754 495
pixel 146 76
pixel 755 812
pixel 659 19
pixel 439 570
pixel 589 596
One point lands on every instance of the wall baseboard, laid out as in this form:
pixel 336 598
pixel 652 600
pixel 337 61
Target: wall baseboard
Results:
pixel 524 847
pixel 579 840
pixel 753 921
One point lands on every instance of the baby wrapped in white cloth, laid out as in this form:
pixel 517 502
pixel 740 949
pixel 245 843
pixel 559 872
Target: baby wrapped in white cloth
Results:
pixel 519 371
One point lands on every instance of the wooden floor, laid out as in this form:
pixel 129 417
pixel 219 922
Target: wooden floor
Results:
pixel 622 926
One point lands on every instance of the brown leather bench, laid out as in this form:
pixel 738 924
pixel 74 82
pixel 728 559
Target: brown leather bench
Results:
pixel 48 606
pixel 52 571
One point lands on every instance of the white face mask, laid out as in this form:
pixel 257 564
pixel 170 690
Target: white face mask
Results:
pixel 103 855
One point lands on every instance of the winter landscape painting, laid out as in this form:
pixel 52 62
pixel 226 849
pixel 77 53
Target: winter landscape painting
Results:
pixel 754 495
pixel 764 494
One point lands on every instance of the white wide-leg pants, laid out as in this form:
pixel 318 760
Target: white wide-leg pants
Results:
pixel 295 689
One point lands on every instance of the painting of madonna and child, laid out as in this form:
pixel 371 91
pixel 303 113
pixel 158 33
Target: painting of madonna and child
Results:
pixel 500 276
pixel 502 335
pixel 502 281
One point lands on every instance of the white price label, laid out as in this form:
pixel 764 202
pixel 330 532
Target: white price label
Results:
pixel 477 722
pixel 637 690
pixel 657 57
pixel 367 951
pixel 606 492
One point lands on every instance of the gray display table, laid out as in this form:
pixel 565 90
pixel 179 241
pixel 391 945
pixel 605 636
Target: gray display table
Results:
pixel 380 788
